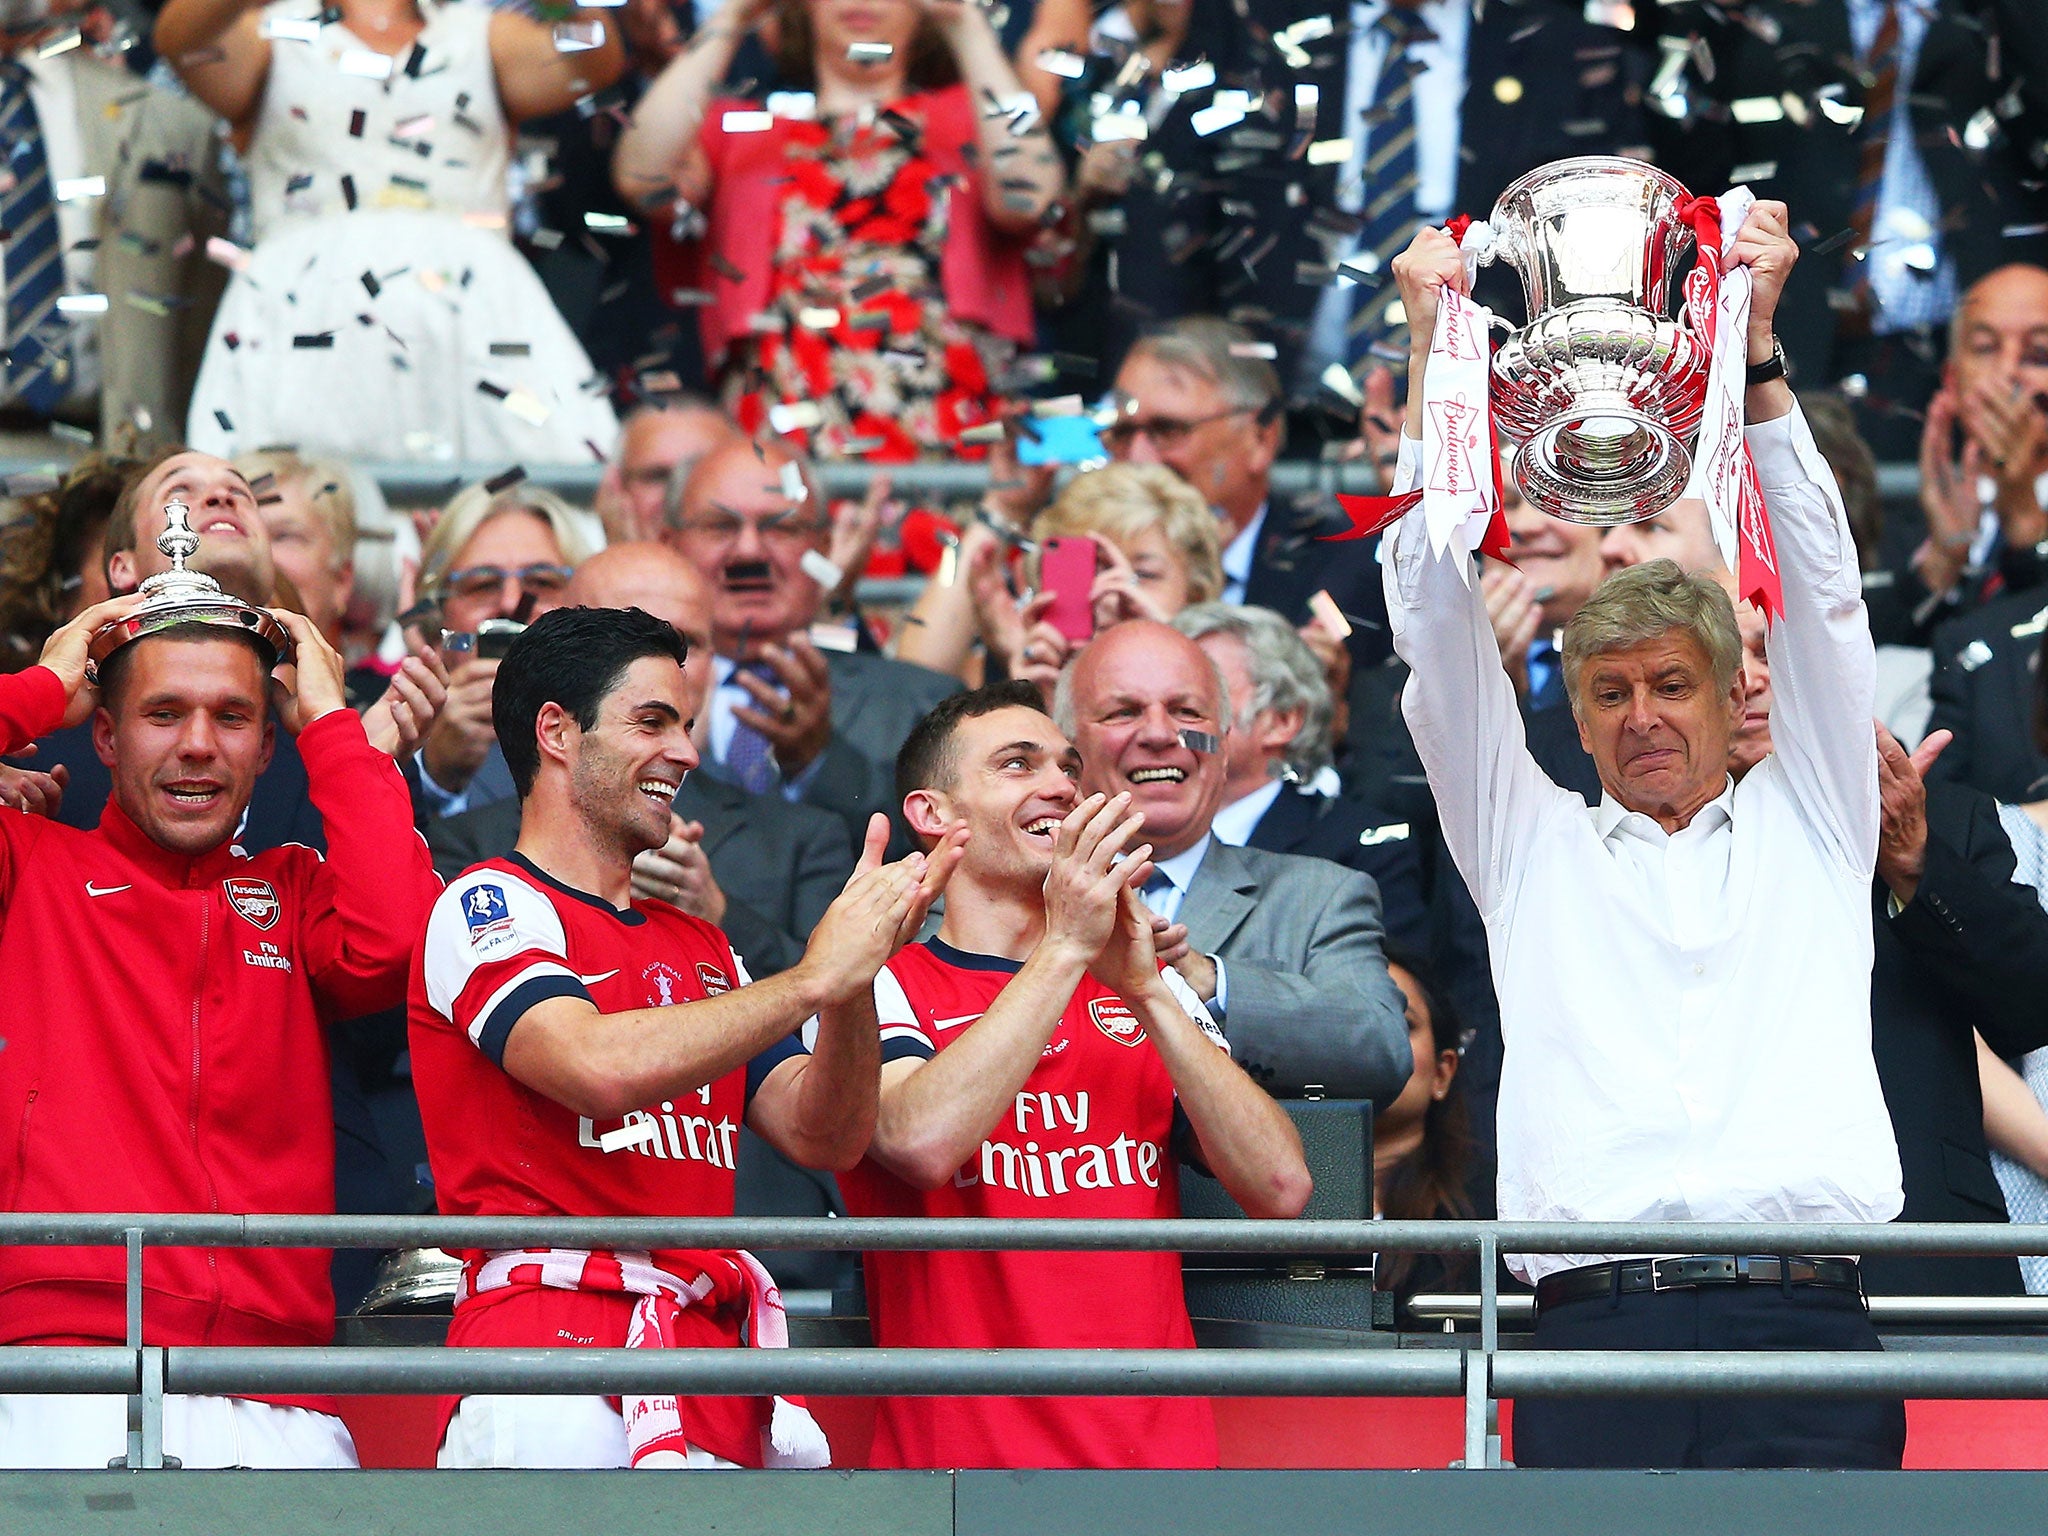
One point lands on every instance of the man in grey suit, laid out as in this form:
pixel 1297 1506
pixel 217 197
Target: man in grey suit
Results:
pixel 1286 950
pixel 139 190
pixel 791 713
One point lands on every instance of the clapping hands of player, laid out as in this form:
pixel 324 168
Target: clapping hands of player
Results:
pixel 1085 884
pixel 879 912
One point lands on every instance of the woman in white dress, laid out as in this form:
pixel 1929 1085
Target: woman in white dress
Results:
pixel 384 313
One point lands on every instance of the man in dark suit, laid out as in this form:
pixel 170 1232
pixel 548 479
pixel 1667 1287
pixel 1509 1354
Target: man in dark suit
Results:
pixel 1986 670
pixel 1799 99
pixel 1279 789
pixel 1199 397
pixel 791 713
pixel 1253 228
pixel 1285 950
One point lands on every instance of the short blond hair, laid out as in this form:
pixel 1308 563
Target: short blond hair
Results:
pixel 329 488
pixel 1645 602
pixel 1121 501
pixel 474 505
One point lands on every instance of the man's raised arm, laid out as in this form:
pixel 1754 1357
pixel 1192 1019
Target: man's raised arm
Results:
pixel 1459 704
pixel 1823 666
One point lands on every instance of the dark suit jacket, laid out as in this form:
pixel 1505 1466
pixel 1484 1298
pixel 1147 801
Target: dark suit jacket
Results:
pixel 780 865
pixel 1809 50
pixel 1359 837
pixel 1290 563
pixel 1983 689
pixel 1310 1000
pixel 1970 950
pixel 875 702
pixel 1232 228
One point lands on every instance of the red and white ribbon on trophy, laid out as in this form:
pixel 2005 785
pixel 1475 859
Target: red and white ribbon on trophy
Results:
pixel 1460 492
pixel 1717 303
pixel 1461 501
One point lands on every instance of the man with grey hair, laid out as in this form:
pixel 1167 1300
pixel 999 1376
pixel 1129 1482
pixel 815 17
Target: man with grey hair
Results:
pixel 1280 792
pixel 640 496
pixel 1200 396
pixel 1284 951
pixel 1683 969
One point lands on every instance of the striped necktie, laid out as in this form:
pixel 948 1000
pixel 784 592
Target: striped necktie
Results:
pixel 38 364
pixel 1881 68
pixel 1388 186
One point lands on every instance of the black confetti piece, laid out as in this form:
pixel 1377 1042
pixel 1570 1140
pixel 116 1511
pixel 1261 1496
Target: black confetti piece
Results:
pixel 348 191
pixel 356 120
pixel 505 480
pixel 316 340
pixel 370 282
pixel 222 418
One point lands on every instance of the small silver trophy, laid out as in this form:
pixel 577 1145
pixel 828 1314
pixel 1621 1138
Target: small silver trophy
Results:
pixel 180 596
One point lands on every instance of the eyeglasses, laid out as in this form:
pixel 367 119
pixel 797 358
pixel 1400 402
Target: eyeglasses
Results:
pixel 1167 432
pixel 774 528
pixel 538 580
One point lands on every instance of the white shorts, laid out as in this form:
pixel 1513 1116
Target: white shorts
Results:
pixel 63 1431
pixel 545 1432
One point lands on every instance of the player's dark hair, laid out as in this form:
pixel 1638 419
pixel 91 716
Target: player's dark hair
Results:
pixel 571 657
pixel 926 761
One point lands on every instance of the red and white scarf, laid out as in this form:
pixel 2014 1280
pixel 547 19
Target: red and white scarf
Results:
pixel 654 1426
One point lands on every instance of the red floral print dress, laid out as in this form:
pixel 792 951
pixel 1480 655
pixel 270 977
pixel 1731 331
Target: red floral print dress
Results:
pixel 856 322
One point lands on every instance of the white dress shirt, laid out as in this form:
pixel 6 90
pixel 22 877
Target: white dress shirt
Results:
pixel 1686 1016
pixel 726 696
pixel 1238 553
pixel 1439 127
pixel 1237 821
pixel 1178 873
pixel 1907 219
pixel 55 95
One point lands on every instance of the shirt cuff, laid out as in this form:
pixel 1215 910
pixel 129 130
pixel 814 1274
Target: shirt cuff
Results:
pixel 1783 450
pixel 442 802
pixel 1222 999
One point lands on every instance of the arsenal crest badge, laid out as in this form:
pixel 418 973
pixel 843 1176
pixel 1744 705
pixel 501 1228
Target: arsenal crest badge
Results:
pixel 712 979
pixel 1116 1021
pixel 254 899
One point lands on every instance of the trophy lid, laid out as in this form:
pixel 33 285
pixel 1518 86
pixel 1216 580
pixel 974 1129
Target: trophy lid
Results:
pixel 178 596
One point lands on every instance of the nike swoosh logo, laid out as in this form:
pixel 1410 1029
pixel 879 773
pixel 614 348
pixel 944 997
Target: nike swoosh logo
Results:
pixel 591 981
pixel 104 890
pixel 965 1018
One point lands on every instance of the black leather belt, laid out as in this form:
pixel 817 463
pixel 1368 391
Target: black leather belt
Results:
pixel 1593 1281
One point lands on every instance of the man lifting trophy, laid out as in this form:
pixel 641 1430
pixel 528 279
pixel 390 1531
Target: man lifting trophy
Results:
pixel 1683 968
pixel 175 1058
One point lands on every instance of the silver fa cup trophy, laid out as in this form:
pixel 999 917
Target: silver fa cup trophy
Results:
pixel 1602 389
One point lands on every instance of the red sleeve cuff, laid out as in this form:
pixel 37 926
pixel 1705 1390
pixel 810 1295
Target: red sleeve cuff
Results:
pixel 32 704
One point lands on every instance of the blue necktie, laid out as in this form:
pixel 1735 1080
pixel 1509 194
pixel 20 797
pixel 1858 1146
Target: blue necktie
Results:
pixel 749 757
pixel 1157 892
pixel 38 367
pixel 1389 188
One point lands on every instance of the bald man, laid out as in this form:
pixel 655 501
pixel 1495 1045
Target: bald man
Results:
pixel 789 717
pixel 762 870
pixel 641 492
pixel 1284 951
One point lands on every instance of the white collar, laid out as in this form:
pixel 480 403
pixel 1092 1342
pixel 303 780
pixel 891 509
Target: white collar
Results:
pixel 1611 816
pixel 1236 822
pixel 1180 869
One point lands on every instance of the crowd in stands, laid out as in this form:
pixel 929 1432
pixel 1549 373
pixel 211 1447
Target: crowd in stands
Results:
pixel 1128 259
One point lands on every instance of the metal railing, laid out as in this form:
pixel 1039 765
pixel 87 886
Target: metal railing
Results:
pixel 409 483
pixel 1451 1307
pixel 1478 1371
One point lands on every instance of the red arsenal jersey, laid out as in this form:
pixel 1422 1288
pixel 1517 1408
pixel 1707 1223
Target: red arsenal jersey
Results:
pixel 502 938
pixel 1087 1136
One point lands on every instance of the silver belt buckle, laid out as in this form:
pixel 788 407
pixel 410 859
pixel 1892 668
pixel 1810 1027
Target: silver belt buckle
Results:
pixel 1657 1282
